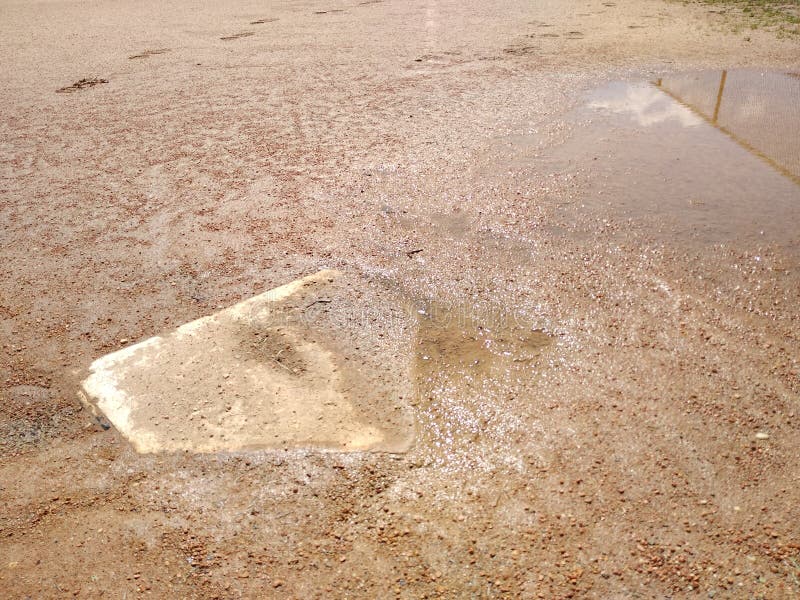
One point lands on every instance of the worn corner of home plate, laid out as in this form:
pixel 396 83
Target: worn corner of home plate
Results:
pixel 247 377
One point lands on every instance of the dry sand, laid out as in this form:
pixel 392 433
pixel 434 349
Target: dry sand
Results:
pixel 612 415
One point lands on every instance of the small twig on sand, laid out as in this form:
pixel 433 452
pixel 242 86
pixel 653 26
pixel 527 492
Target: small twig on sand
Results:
pixel 411 253
pixel 280 364
pixel 317 302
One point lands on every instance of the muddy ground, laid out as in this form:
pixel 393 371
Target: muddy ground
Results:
pixel 161 161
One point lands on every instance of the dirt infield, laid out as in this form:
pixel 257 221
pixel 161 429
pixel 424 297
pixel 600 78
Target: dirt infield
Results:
pixel 588 309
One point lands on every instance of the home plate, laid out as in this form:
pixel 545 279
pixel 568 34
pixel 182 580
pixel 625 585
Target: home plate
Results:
pixel 254 376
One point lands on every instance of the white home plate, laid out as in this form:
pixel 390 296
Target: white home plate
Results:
pixel 248 377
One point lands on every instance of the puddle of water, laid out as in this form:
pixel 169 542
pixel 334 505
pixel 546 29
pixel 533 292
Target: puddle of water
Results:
pixel 709 156
pixel 760 111
pixel 458 343
pixel 467 361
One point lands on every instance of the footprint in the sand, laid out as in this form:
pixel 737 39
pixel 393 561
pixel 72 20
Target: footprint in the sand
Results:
pixel 520 50
pixel 574 35
pixel 325 12
pixel 149 53
pixel 262 21
pixel 433 59
pixel 446 58
pixel 236 36
pixel 637 26
pixel 81 84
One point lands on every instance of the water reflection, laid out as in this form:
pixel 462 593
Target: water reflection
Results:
pixel 707 157
pixel 645 104
pixel 758 110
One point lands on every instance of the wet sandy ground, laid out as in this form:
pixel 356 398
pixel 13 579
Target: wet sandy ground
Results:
pixel 614 412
